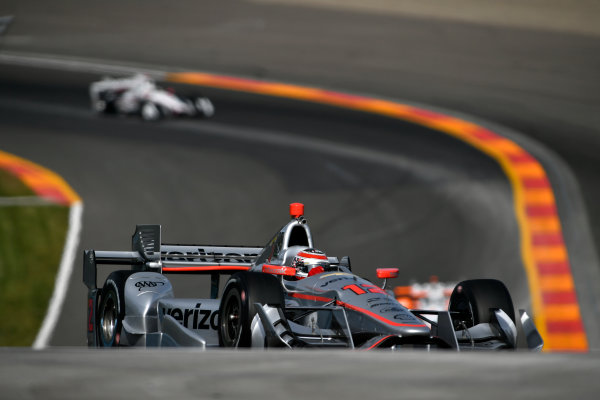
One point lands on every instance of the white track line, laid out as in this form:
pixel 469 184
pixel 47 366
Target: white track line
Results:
pixel 62 279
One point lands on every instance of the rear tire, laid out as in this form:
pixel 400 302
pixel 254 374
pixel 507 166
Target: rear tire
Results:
pixel 105 104
pixel 473 299
pixel 204 107
pixel 237 307
pixel 112 309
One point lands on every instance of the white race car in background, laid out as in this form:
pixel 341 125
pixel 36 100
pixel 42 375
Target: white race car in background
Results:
pixel 140 95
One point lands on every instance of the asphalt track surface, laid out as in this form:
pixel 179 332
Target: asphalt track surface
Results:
pixel 178 173
pixel 225 374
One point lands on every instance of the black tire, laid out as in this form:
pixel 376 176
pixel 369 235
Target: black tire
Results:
pixel 473 300
pixel 237 305
pixel 112 309
pixel 105 103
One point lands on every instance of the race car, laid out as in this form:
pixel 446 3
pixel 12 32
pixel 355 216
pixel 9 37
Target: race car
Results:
pixel 432 295
pixel 139 95
pixel 286 294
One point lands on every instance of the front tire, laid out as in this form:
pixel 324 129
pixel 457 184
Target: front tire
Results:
pixel 150 112
pixel 237 307
pixel 204 107
pixel 474 300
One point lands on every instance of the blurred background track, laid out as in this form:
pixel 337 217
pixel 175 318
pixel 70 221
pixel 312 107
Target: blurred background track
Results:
pixel 529 65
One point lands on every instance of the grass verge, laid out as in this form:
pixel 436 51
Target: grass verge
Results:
pixel 31 244
pixel 11 186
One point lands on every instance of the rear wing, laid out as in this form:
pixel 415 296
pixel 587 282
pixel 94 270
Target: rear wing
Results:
pixel 148 254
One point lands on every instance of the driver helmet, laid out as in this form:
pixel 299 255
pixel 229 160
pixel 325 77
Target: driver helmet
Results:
pixel 309 262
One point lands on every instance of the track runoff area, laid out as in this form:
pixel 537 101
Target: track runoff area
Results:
pixel 544 253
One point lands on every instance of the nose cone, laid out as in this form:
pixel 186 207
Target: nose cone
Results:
pixel 422 331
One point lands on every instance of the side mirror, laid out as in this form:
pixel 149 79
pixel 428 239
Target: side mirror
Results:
pixel 386 273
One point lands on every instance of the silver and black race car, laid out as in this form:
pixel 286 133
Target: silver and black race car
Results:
pixel 285 294
pixel 139 95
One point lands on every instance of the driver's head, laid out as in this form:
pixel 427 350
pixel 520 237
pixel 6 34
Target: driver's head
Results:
pixel 309 262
